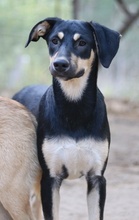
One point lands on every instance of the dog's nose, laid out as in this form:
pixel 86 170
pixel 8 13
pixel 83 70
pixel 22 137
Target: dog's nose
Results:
pixel 61 65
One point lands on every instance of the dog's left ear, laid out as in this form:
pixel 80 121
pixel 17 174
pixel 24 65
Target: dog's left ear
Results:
pixel 41 29
pixel 107 42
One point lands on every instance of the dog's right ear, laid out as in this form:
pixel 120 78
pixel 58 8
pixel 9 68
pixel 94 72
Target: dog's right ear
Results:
pixel 41 29
pixel 107 42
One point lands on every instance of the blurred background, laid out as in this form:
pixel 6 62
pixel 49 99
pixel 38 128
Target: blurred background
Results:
pixel 20 67
pixel 120 85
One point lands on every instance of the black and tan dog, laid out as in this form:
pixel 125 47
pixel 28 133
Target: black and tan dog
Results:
pixel 73 131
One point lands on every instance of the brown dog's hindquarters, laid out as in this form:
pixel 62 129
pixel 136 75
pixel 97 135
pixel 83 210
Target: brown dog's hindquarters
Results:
pixel 20 171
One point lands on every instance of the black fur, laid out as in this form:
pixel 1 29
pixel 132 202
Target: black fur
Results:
pixel 60 116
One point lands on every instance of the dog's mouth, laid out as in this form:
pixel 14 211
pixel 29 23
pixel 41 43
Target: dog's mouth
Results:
pixel 66 75
pixel 78 75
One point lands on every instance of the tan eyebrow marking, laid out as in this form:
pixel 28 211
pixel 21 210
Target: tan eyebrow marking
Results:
pixel 60 35
pixel 76 36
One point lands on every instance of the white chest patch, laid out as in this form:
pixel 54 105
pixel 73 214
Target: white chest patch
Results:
pixel 78 157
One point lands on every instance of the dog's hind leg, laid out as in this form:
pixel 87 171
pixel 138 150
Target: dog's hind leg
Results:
pixel 96 195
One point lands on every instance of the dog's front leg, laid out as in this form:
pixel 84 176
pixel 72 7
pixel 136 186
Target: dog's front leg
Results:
pixel 96 196
pixel 50 197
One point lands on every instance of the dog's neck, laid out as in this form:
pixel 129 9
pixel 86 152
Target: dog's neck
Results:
pixel 78 91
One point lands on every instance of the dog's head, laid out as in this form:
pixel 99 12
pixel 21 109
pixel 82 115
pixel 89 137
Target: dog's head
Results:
pixel 73 45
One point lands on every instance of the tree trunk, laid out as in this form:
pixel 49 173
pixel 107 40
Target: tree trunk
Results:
pixel 76 7
pixel 57 8
pixel 130 17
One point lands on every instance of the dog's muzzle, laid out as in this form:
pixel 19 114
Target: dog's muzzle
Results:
pixel 62 68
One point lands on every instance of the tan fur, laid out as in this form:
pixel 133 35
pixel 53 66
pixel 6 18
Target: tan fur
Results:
pixel 74 88
pixel 20 172
pixel 53 58
pixel 76 36
pixel 60 35
pixel 40 30
pixel 82 63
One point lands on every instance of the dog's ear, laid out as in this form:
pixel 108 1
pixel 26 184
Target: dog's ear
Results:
pixel 107 42
pixel 41 29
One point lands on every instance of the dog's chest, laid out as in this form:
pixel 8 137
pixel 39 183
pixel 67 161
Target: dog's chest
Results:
pixel 78 157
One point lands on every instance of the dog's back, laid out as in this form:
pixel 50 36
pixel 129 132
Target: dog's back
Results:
pixel 30 97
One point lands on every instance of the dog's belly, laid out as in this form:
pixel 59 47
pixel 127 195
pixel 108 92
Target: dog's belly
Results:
pixel 78 157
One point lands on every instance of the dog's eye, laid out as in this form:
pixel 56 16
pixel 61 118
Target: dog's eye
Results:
pixel 55 41
pixel 82 43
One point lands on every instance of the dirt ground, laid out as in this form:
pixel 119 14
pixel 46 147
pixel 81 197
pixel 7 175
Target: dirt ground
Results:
pixel 122 173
